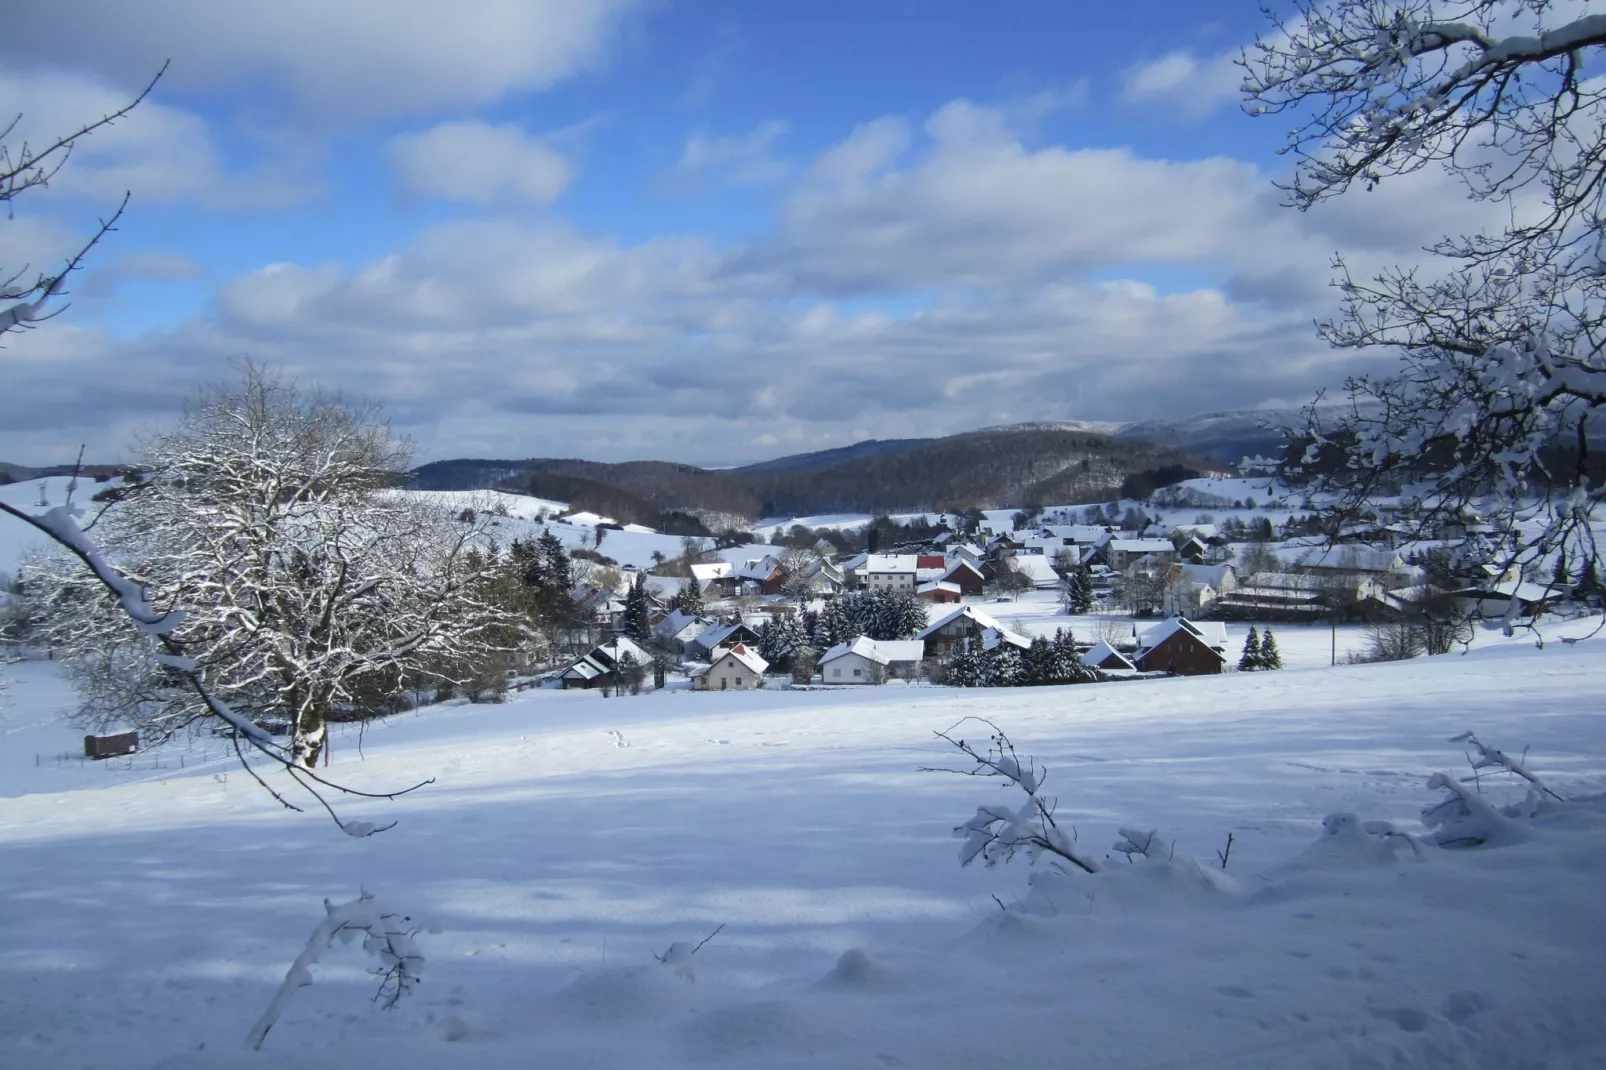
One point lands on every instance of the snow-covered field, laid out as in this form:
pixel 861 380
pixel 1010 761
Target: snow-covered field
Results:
pixel 148 914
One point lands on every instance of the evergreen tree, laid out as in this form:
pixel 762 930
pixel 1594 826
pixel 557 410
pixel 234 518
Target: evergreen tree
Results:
pixel 690 598
pixel 1082 590
pixel 635 623
pixel 631 673
pixel 965 669
pixel 1269 657
pixel 556 570
pixel 1038 662
pixel 660 669
pixel 1066 666
pixel 1250 660
pixel 1005 667
pixel 810 626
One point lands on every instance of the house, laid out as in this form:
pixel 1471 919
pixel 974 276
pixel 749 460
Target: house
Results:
pixel 1183 647
pixel 1492 601
pixel 964 574
pixel 678 629
pixel 737 669
pixel 968 552
pixel 1274 596
pixel 716 576
pixel 1036 568
pixel 940 591
pixel 723 634
pixel 759 575
pixel 890 572
pixel 1344 561
pixel 599 667
pixel 1120 553
pixel 1102 655
pixel 967 625
pixel 871 661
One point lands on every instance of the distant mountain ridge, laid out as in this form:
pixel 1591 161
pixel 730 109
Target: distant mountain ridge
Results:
pixel 995 468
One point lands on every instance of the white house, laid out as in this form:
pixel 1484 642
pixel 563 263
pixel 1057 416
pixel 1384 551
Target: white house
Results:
pixel 871 661
pixel 737 669
pixel 890 572
pixel 1119 553
pixel 1037 568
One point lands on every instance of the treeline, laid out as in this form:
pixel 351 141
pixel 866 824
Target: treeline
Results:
pixel 980 469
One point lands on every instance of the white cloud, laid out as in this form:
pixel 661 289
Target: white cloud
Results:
pixel 351 60
pixel 1184 84
pixel 745 159
pixel 912 283
pixel 480 163
pixel 156 153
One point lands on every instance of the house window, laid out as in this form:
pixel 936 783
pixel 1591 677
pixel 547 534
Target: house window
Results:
pixel 857 672
pixel 738 681
pixel 836 672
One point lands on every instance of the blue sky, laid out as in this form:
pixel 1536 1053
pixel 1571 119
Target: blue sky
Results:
pixel 704 231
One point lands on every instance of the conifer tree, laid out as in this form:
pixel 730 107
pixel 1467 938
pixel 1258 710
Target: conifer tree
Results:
pixel 636 624
pixel 690 599
pixel 1082 590
pixel 1269 657
pixel 1250 661
pixel 1005 667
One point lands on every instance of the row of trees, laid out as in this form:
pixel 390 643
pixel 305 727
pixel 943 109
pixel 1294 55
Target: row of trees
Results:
pixel 1045 662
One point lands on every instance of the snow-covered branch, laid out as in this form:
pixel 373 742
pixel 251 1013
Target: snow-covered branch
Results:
pixel 996 833
pixel 386 936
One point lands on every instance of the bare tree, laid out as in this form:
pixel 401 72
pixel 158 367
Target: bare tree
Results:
pixel 305 579
pixel 800 572
pixel 1502 334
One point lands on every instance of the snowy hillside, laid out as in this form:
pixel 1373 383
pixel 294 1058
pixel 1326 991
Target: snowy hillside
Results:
pixel 569 839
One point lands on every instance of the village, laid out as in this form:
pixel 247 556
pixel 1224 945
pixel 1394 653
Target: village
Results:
pixel 1134 590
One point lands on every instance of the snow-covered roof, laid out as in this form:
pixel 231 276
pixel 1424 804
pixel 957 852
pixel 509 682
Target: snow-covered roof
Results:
pixel 1213 632
pixel 939 585
pixel 680 625
pixel 1142 546
pixel 880 651
pixel 747 656
pixel 982 621
pixel 1211 574
pixel 1037 568
pixel 712 570
pixel 884 563
pixel 1101 652
pixel 757 568
pixel 961 565
pixel 1347 557
pixel 1079 533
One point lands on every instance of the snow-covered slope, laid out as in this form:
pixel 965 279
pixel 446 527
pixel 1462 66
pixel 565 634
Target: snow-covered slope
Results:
pixel 568 839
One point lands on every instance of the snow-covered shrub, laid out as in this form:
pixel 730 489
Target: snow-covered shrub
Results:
pixel 1464 818
pixel 996 833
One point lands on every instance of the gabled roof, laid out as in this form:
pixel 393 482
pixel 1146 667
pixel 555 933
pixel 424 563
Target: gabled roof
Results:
pixel 712 570
pixel 961 565
pixel 1212 633
pixel 1142 546
pixel 747 657
pixel 717 634
pixel 681 625
pixel 880 651
pixel 882 563
pixel 603 659
pixel 992 632
pixel 758 568
pixel 939 585
pixel 1037 568
pixel 1102 655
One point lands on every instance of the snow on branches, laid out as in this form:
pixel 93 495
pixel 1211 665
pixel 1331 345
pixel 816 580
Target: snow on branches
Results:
pixel 308 583
pixel 996 833
pixel 386 936
pixel 1501 337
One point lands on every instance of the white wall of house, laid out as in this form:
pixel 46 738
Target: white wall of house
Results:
pixel 852 668
pixel 729 674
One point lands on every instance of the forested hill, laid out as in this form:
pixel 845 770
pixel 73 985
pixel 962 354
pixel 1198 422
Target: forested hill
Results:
pixel 995 468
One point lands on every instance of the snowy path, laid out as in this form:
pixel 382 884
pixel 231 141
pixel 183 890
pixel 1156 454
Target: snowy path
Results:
pixel 568 838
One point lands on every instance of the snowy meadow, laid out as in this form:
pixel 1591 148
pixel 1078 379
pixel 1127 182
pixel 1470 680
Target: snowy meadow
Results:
pixel 569 842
